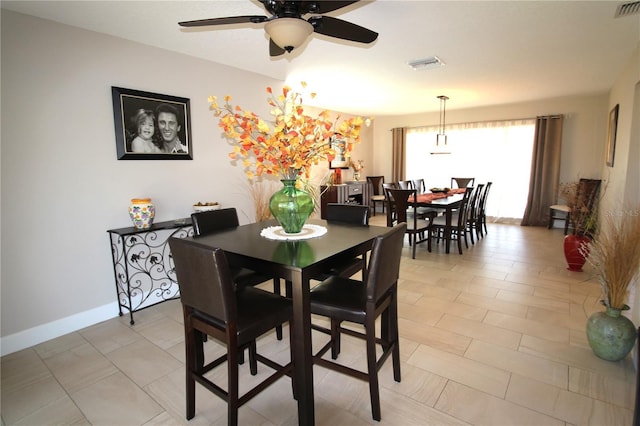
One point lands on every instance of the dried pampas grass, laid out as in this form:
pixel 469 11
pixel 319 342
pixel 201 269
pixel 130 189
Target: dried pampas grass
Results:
pixel 261 192
pixel 615 255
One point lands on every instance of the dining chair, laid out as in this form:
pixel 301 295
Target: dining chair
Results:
pixel 586 195
pixel 351 214
pixel 391 213
pixel 482 214
pixel 473 212
pixel 212 306
pixel 378 192
pixel 362 302
pixel 404 201
pixel 462 182
pixel 211 221
pixel 458 224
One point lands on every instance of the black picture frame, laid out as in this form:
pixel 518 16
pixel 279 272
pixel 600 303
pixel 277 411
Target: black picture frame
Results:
pixel 130 106
pixel 611 135
pixel 339 145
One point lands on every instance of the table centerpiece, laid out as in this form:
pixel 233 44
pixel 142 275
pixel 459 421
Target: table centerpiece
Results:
pixel 287 147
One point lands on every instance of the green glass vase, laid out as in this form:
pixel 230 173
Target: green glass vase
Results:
pixel 291 206
pixel 610 334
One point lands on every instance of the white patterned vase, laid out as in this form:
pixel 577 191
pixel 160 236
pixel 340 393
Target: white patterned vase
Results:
pixel 142 212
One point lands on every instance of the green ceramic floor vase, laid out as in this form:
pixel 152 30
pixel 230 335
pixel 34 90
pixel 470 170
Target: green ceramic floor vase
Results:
pixel 610 334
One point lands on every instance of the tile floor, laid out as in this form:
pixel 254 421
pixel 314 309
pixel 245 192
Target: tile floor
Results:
pixel 493 337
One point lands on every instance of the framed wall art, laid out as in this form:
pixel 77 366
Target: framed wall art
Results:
pixel 611 135
pixel 339 145
pixel 151 126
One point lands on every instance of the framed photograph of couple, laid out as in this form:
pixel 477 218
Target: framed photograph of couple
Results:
pixel 151 126
pixel 611 136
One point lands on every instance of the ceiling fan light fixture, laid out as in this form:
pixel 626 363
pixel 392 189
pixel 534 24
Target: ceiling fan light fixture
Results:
pixel 288 33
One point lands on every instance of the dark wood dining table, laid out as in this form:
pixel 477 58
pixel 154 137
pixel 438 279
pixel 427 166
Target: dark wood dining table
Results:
pixel 297 262
pixel 448 202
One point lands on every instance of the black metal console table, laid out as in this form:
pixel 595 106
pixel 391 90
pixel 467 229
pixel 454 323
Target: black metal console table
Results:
pixel 143 266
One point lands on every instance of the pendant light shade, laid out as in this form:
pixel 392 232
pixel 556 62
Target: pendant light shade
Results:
pixel 288 33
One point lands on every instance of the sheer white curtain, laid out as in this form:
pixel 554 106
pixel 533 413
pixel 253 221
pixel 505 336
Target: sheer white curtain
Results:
pixel 498 152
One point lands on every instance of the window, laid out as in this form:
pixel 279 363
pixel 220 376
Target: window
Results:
pixel 498 152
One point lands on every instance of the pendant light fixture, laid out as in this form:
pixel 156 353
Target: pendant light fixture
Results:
pixel 441 136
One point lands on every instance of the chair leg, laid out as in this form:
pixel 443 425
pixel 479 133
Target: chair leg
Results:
pixel 335 338
pixel 394 336
pixel 374 390
pixel 194 357
pixel 253 362
pixel 276 290
pixel 232 392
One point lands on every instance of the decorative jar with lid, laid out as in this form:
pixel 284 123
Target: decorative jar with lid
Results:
pixel 142 212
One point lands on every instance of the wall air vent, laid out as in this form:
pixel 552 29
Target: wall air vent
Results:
pixel 430 62
pixel 627 9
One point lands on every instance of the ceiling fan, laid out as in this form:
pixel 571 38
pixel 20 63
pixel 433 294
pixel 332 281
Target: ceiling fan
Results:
pixel 287 29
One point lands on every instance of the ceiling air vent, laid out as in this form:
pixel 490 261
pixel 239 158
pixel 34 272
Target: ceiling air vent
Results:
pixel 430 62
pixel 627 9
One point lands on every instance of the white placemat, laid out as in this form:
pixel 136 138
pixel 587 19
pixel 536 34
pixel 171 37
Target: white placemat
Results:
pixel 308 231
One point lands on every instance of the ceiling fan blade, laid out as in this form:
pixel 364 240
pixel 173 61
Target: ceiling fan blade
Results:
pixel 329 6
pixel 274 49
pixel 254 19
pixel 338 28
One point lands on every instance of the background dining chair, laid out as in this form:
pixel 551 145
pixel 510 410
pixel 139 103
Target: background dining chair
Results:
pixel 352 214
pixel 404 201
pixel 362 302
pixel 474 212
pixel 212 306
pixel 458 224
pixel 462 182
pixel 482 214
pixel 211 221
pixel 378 192
pixel 391 213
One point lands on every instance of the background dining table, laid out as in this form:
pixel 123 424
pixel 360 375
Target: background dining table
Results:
pixel 296 261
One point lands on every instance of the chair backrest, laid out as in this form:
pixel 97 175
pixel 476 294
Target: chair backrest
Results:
pixel 401 200
pixel 587 193
pixel 405 184
pixel 418 185
pixel 474 201
pixel 348 213
pixel 204 279
pixel 376 182
pixel 463 211
pixel 384 263
pixel 483 198
pixel 462 182
pixel 211 221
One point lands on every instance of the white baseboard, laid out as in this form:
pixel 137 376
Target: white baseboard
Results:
pixel 42 333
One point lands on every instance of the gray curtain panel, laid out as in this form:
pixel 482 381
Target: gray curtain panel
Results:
pixel 545 170
pixel 398 167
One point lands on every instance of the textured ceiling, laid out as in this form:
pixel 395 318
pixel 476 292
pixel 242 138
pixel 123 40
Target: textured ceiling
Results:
pixel 496 52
